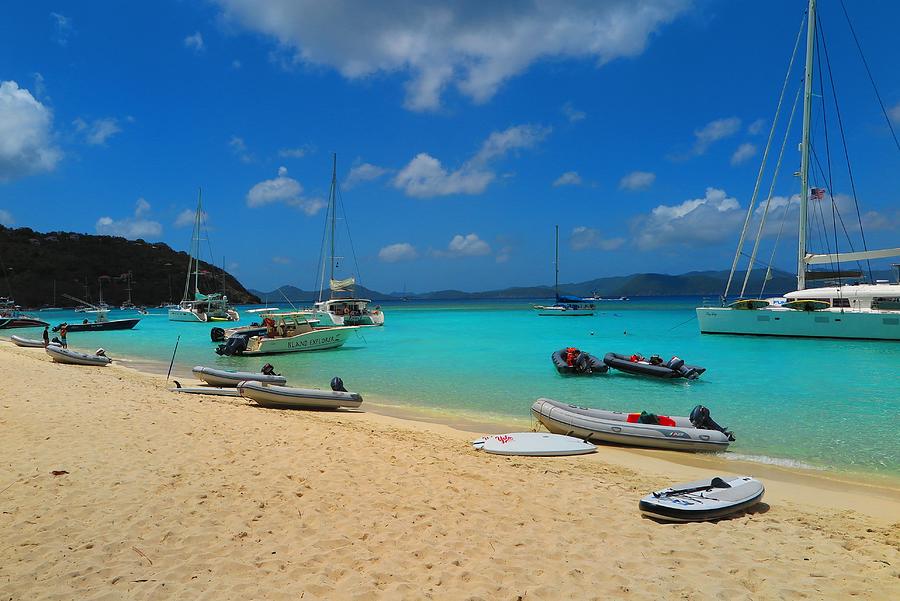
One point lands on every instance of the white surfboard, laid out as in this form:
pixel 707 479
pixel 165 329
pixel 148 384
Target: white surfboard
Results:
pixel 211 390
pixel 539 444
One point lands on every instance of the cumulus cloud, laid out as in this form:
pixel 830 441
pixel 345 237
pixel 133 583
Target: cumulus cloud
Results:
pixel 195 42
pixel 569 178
pixel 744 152
pixel 132 227
pixel 425 176
pixel 363 173
pixel 240 150
pixel 98 131
pixel 637 180
pixel 472 47
pixel 572 114
pixel 894 113
pixel 469 245
pixel 714 131
pixel 6 218
pixel 695 222
pixel 401 251
pixel 584 238
pixel 285 190
pixel 26 137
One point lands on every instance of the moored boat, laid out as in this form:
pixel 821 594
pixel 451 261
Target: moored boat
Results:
pixel 571 361
pixel 102 324
pixel 225 379
pixel 703 500
pixel 285 397
pixel 654 366
pixel 286 333
pixel 565 306
pixel 696 433
pixel 65 355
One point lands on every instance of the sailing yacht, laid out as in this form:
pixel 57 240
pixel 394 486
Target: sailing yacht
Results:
pixel 862 311
pixel 338 310
pixel 565 306
pixel 202 307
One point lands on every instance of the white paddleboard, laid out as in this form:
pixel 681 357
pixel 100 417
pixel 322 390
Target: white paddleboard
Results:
pixel 211 390
pixel 540 444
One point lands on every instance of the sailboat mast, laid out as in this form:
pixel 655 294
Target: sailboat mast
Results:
pixel 556 263
pixel 804 144
pixel 197 241
pixel 333 203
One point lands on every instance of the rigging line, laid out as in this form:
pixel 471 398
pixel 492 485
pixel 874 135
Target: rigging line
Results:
pixel 837 210
pixel 762 221
pixel 762 165
pixel 784 217
pixel 871 79
pixel 837 110
pixel 349 236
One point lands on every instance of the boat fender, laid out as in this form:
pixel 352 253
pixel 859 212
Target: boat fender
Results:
pixel 337 384
pixel 571 354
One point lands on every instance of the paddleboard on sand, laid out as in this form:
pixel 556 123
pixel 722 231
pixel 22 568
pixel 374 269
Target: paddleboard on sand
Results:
pixel 212 390
pixel 710 499
pixel 539 444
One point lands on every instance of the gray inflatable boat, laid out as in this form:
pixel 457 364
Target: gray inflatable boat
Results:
pixel 613 426
pixel 223 378
pixel 703 500
pixel 65 355
pixel 284 397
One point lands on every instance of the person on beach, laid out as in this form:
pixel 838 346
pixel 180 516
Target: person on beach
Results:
pixel 63 330
pixel 46 336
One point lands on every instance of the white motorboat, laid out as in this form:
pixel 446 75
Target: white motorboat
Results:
pixel 866 311
pixel 565 306
pixel 284 397
pixel 199 307
pixel 66 355
pixel 224 379
pixel 285 333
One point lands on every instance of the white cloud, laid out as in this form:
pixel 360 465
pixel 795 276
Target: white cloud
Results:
pixel 469 245
pixel 756 127
pixel 714 131
pixel 285 190
pixel 572 114
pixel 569 178
pixel 894 113
pixel 186 218
pixel 239 148
pixel 744 152
pixel 195 42
pixel 26 139
pixel 98 131
pixel 131 227
pixel 637 180
pixel 6 218
pixel 583 238
pixel 294 153
pixel 697 222
pixel 401 251
pixel 425 176
pixel 281 260
pixel 63 26
pixel 473 47
pixel 363 173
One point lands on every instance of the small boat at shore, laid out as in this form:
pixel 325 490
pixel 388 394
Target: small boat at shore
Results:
pixel 285 333
pixel 70 357
pixel 101 324
pixel 226 379
pixel 696 433
pixel 654 366
pixel 571 361
pixel 703 500
pixel 285 397
pixel 26 342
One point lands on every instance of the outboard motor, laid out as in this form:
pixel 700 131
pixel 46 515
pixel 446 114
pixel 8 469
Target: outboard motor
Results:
pixel 337 384
pixel 269 370
pixel 217 334
pixel 677 364
pixel 701 419
pixel 233 346
pixel 583 364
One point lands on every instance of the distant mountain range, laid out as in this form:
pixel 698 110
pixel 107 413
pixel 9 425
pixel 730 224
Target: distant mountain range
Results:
pixel 695 283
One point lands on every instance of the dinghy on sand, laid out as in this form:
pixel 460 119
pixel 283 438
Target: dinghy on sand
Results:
pixel 285 397
pixel 64 355
pixel 696 433
pixel 710 499
pixel 26 342
pixel 223 378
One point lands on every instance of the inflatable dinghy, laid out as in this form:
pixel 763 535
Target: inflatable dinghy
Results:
pixel 571 361
pixel 638 365
pixel 710 499
pixel 696 433
pixel 223 378
pixel 64 355
pixel 284 397
pixel 535 444
pixel 26 342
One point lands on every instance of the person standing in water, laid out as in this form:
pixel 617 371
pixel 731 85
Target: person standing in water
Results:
pixel 46 336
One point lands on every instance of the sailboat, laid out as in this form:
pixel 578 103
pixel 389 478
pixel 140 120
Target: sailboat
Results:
pixel 565 306
pixel 861 311
pixel 199 307
pixel 338 310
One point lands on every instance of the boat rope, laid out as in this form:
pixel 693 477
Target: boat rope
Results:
pixel 349 236
pixel 871 79
pixel 683 322
pixel 762 166
pixel 762 221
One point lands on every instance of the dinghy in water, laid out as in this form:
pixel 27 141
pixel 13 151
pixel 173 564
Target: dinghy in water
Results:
pixel 571 361
pixel 710 499
pixel 285 397
pixel 26 342
pixel 64 355
pixel 638 365
pixel 696 433
pixel 222 378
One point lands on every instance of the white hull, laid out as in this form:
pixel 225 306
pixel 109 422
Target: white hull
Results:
pixel 552 311
pixel 62 355
pixel 185 315
pixel 283 397
pixel 830 323
pixel 316 340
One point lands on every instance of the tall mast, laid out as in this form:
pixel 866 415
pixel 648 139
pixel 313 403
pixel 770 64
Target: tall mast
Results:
pixel 804 143
pixel 333 202
pixel 556 263
pixel 197 241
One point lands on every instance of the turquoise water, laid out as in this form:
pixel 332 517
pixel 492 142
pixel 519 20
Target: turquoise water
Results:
pixel 819 403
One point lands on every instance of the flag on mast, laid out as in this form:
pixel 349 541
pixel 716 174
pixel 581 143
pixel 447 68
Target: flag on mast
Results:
pixel 816 193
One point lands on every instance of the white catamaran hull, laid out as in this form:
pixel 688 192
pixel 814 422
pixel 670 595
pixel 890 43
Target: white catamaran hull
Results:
pixel 830 323
pixel 317 340
pixel 185 315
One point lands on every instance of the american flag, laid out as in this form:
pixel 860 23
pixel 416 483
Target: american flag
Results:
pixel 817 193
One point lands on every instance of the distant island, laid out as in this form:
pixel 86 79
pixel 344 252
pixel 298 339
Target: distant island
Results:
pixel 41 268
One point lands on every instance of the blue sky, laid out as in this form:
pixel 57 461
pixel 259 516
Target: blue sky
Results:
pixel 464 132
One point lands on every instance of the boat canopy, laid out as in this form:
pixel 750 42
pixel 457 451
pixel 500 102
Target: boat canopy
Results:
pixel 342 285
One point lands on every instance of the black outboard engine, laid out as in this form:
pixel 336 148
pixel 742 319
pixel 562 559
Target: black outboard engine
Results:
pixel 233 346
pixel 583 364
pixel 269 370
pixel 677 364
pixel 701 419
pixel 337 384
pixel 217 334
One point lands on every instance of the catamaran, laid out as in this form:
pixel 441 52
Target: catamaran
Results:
pixel 202 307
pixel 863 311
pixel 565 306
